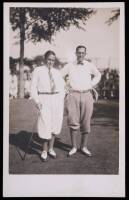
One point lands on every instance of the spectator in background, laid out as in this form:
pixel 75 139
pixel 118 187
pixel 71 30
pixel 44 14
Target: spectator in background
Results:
pixel 117 87
pixel 109 84
pixel 67 84
pixel 27 85
pixel 13 85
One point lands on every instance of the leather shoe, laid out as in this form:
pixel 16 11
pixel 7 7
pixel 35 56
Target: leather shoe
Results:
pixel 86 151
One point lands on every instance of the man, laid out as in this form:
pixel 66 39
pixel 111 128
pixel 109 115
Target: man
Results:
pixel 79 101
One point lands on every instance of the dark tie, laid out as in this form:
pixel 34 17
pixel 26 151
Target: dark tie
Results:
pixel 52 83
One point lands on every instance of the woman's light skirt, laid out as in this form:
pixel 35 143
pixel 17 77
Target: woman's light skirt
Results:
pixel 51 115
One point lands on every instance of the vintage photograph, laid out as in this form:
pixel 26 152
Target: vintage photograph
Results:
pixel 63 71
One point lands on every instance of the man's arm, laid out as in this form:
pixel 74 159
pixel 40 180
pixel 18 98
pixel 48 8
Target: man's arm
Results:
pixel 97 75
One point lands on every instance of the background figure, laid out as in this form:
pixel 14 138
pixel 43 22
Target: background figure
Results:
pixel 67 84
pixel 108 87
pixel 27 85
pixel 47 90
pixel 83 76
pixel 13 85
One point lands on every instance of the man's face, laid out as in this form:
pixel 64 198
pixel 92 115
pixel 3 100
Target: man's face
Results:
pixel 81 53
pixel 50 60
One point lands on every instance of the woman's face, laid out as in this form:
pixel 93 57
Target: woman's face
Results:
pixel 50 60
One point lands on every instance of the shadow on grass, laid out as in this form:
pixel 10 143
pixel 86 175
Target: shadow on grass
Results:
pixel 30 143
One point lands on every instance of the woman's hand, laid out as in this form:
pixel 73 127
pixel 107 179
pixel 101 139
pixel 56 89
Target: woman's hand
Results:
pixel 39 106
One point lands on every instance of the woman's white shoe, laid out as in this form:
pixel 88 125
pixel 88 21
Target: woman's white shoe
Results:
pixel 72 151
pixel 44 155
pixel 52 153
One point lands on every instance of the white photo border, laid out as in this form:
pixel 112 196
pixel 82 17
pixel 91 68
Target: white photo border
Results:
pixel 66 185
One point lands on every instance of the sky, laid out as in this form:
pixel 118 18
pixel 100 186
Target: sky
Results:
pixel 101 40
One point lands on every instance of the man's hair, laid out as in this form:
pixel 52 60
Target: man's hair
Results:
pixel 80 46
pixel 48 53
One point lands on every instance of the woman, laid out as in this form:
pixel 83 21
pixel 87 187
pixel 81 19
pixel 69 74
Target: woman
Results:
pixel 47 90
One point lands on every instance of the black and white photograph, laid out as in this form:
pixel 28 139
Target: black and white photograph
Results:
pixel 64 111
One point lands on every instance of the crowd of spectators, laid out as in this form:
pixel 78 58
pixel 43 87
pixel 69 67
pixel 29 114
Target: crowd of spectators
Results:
pixel 108 87
pixel 13 84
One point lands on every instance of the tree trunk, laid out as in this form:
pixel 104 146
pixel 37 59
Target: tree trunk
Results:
pixel 21 61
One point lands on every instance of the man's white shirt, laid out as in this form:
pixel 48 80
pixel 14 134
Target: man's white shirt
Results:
pixel 80 75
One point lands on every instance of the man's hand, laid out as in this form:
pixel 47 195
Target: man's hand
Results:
pixel 95 94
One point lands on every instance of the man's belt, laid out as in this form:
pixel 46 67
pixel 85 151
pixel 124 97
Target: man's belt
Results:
pixel 80 91
pixel 49 93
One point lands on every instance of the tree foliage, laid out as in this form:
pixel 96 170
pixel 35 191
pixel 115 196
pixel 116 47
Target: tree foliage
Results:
pixel 30 62
pixel 116 14
pixel 43 23
pixel 38 24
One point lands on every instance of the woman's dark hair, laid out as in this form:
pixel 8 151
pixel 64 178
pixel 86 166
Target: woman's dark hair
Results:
pixel 48 53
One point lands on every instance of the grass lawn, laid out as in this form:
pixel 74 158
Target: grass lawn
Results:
pixel 103 142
